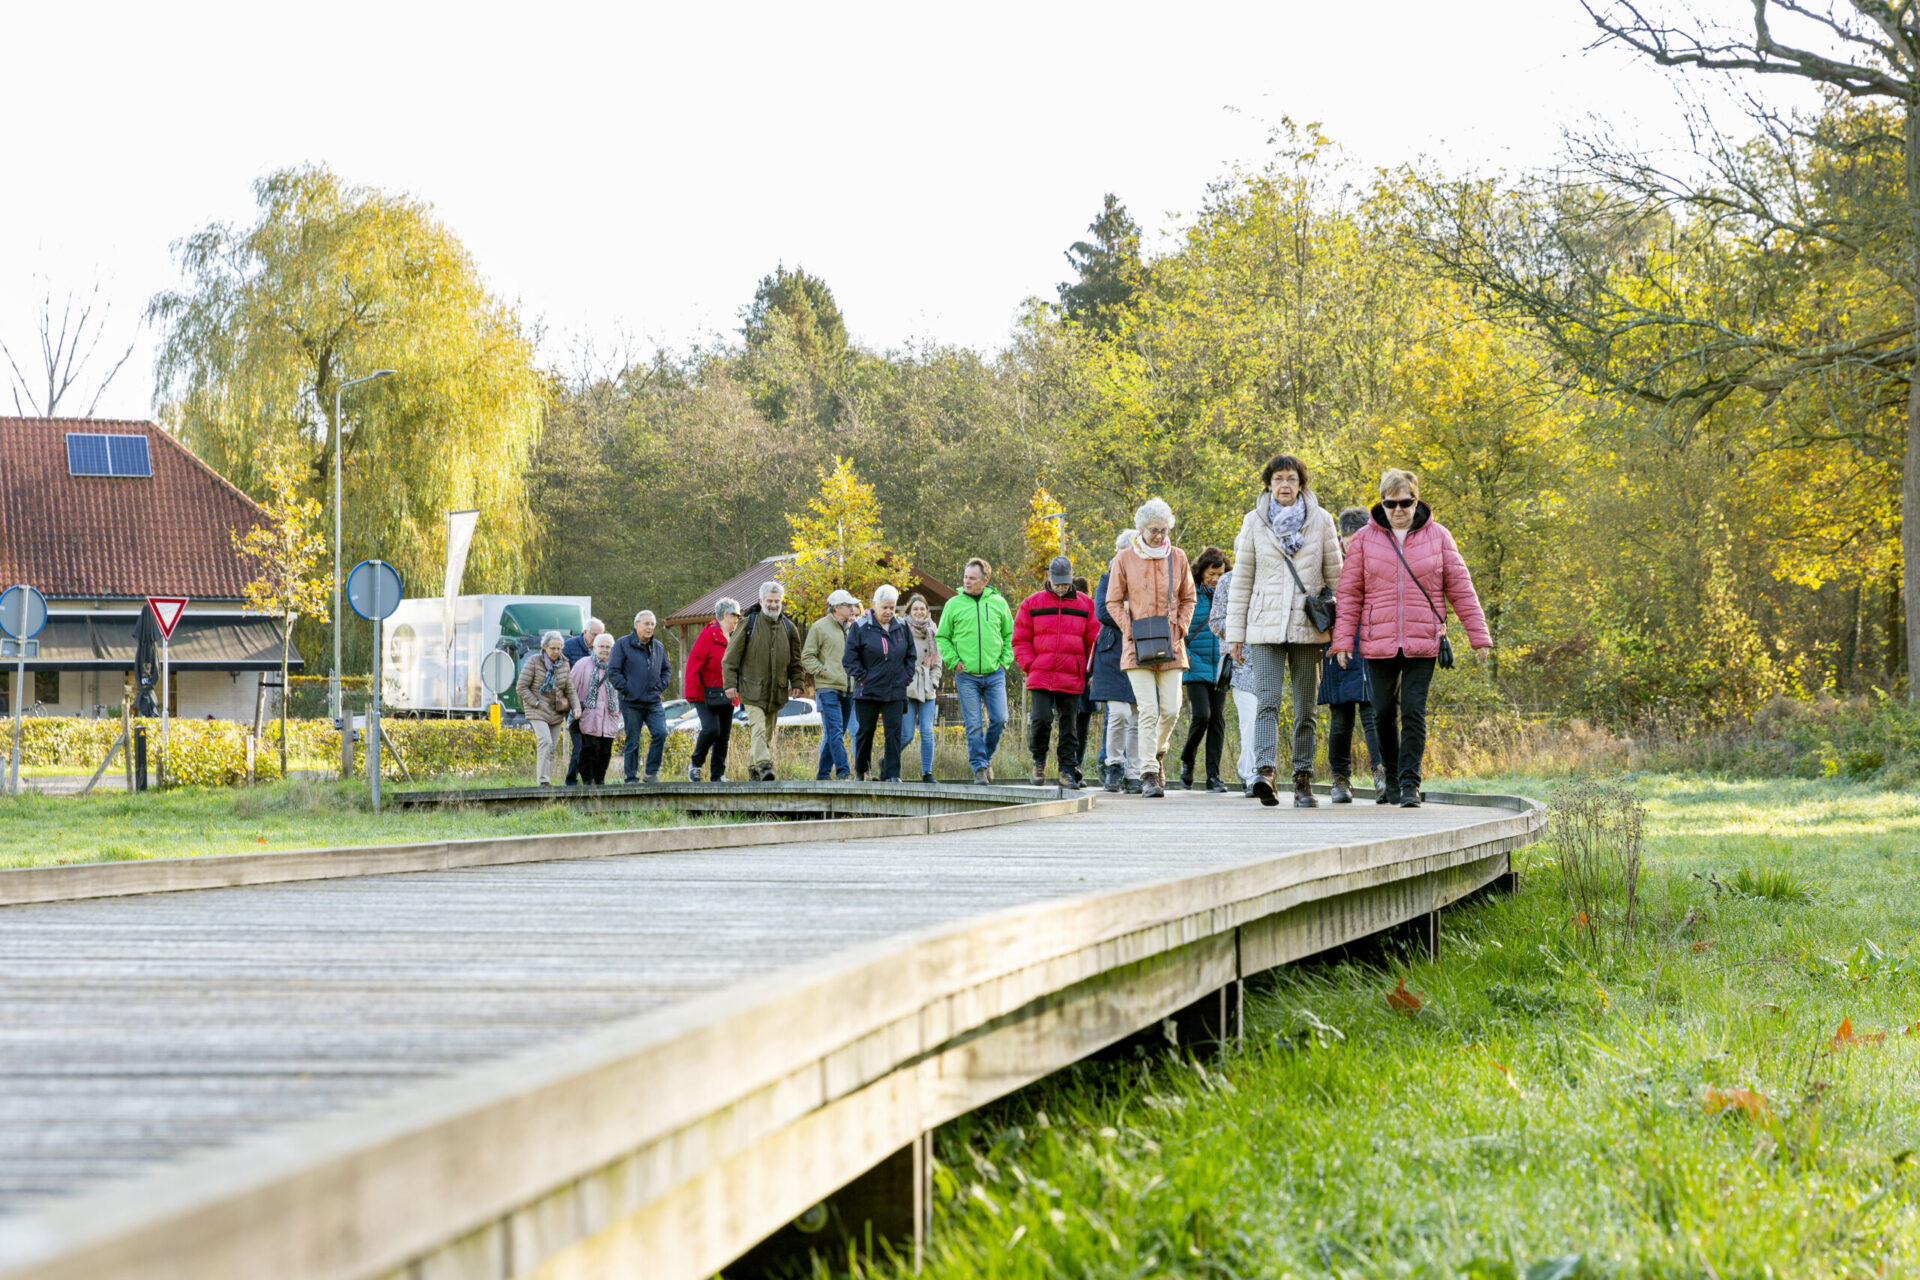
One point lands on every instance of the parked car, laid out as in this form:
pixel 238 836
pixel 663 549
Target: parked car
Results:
pixel 798 711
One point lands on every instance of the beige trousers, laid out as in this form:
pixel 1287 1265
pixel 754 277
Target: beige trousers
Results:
pixel 1156 701
pixel 763 735
pixel 549 741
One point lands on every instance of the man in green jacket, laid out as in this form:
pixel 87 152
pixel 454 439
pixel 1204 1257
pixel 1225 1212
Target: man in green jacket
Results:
pixel 826 642
pixel 761 665
pixel 976 642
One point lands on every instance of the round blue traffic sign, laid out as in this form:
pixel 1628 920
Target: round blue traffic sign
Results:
pixel 23 612
pixel 373 589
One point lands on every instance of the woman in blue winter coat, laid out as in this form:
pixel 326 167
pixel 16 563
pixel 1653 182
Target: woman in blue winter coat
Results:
pixel 1109 684
pixel 1206 692
pixel 1345 690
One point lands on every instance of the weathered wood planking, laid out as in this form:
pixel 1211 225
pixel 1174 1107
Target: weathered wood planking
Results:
pixel 584 1066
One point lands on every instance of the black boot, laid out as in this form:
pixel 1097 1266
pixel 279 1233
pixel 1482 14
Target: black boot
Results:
pixel 927 776
pixel 1150 786
pixel 1214 783
pixel 1039 778
pixel 1410 796
pixel 1303 797
pixel 1113 779
pixel 1342 789
pixel 1382 793
pixel 1186 776
pixel 1132 785
pixel 1263 789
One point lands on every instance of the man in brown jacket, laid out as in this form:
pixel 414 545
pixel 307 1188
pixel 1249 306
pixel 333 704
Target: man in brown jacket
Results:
pixel 761 666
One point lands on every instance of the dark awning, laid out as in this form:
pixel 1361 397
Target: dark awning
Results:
pixel 105 643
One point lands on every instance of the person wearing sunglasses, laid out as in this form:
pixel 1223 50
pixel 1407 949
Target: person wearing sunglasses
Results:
pixel 1402 571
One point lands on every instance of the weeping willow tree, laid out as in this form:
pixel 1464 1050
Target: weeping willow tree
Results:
pixel 329 283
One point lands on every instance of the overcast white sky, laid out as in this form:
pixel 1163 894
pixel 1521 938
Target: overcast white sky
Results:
pixel 634 168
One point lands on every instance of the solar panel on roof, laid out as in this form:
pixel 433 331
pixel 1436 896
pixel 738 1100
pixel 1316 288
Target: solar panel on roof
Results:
pixel 87 455
pixel 127 456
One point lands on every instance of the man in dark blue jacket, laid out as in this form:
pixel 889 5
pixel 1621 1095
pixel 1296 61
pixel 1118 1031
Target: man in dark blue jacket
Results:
pixel 639 670
pixel 576 648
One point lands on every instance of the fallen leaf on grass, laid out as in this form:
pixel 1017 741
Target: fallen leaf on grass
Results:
pixel 1708 945
pixel 1750 1104
pixel 1913 1030
pixel 1403 1001
pixel 1506 1076
pixel 1845 1038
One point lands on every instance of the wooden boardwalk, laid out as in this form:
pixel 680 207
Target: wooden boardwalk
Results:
pixel 626 1065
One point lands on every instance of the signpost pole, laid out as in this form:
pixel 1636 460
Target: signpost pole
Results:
pixel 373 722
pixel 19 684
pixel 166 690
pixel 23 612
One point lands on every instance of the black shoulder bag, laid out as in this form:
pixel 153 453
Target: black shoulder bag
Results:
pixel 1153 637
pixel 1320 608
pixel 1446 647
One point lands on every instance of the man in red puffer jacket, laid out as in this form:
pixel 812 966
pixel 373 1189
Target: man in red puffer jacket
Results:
pixel 1053 635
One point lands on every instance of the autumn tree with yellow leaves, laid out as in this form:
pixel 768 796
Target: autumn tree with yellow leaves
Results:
pixel 283 549
pixel 837 543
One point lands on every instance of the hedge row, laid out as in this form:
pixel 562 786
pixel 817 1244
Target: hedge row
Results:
pixel 214 752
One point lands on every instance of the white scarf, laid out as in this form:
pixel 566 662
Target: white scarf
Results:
pixel 1145 552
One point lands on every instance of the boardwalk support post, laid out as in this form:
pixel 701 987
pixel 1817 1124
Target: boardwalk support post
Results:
pixel 884 1213
pixel 1213 1021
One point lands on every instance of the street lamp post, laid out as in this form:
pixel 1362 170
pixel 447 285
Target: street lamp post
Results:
pixel 333 691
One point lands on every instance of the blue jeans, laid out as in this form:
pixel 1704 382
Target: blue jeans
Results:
pixel 834 706
pixel 990 689
pixel 654 717
pixel 921 714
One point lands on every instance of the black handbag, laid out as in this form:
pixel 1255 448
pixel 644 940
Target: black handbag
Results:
pixel 1153 637
pixel 1446 648
pixel 1320 608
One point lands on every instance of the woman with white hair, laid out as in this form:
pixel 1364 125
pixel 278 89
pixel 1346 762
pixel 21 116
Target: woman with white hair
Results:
pixel 1286 559
pixel 879 664
pixel 546 696
pixel 1107 683
pixel 599 721
pixel 1151 597
pixel 1403 569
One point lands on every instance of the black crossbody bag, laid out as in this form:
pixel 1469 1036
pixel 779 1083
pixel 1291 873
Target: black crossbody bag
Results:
pixel 1153 637
pixel 1320 608
pixel 1446 647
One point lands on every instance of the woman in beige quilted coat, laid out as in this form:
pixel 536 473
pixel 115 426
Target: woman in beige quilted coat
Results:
pixel 1287 551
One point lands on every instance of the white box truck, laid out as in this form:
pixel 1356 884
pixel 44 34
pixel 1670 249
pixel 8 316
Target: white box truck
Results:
pixel 426 672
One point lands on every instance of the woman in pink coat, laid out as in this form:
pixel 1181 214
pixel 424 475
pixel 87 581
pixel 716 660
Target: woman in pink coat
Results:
pixel 599 705
pixel 1401 572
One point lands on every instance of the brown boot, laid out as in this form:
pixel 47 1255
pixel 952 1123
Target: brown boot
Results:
pixel 1342 789
pixel 1150 785
pixel 1303 797
pixel 1263 788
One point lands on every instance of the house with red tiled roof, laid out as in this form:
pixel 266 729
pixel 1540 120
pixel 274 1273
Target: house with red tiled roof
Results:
pixel 99 515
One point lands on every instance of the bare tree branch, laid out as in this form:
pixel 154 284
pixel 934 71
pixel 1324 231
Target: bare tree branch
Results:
pixel 65 354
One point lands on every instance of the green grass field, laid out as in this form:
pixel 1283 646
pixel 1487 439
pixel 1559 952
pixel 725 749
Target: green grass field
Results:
pixel 1673 1104
pixel 38 830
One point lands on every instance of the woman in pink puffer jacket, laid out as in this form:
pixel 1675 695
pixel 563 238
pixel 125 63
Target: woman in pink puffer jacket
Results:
pixel 1401 572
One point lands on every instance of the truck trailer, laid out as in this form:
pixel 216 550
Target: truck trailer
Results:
pixel 426 672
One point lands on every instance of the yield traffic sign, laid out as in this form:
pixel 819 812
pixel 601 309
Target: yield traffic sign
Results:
pixel 167 611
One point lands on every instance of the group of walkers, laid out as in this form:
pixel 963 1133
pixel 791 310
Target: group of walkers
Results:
pixel 1305 612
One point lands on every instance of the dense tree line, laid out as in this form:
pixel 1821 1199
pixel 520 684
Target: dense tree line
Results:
pixel 1668 433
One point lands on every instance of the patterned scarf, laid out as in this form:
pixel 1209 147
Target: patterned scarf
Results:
pixel 594 685
pixel 1287 522
pixel 553 676
pixel 924 642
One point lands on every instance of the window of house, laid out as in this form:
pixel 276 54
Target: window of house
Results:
pixel 46 687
